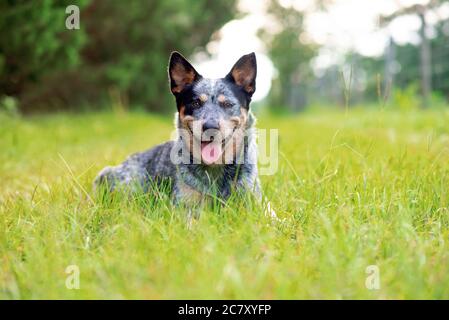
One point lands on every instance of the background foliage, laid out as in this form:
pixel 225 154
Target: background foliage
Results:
pixel 357 189
pixel 290 55
pixel 118 53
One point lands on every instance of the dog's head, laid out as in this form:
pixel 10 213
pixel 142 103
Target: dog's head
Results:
pixel 213 113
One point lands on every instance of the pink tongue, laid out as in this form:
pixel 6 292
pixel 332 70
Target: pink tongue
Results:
pixel 210 152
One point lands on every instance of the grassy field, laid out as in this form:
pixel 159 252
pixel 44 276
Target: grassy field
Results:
pixel 353 189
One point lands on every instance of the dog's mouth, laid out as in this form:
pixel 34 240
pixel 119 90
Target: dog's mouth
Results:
pixel 212 147
pixel 212 150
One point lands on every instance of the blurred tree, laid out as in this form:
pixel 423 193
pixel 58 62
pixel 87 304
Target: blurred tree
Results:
pixel 425 62
pixel 125 52
pixel 130 43
pixel 440 59
pixel 403 67
pixel 290 54
pixel 358 79
pixel 400 71
pixel 33 42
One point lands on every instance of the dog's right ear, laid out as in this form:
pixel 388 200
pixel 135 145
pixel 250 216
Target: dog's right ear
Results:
pixel 244 73
pixel 181 73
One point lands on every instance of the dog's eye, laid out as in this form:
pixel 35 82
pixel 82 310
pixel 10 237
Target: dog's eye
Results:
pixel 227 104
pixel 196 103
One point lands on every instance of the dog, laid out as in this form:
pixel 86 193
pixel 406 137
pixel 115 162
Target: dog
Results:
pixel 214 153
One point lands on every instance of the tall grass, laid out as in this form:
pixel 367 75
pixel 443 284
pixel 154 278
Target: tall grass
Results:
pixel 353 189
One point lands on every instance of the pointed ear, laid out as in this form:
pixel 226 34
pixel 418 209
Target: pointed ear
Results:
pixel 181 73
pixel 244 73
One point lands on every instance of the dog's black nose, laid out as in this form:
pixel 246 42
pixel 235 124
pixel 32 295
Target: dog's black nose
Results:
pixel 211 124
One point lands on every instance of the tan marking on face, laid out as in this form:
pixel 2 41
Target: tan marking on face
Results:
pixel 182 110
pixel 243 116
pixel 186 125
pixel 235 127
pixel 185 120
pixel 203 97
pixel 221 98
pixel 240 121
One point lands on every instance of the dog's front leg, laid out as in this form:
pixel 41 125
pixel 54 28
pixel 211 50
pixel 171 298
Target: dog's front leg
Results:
pixel 190 199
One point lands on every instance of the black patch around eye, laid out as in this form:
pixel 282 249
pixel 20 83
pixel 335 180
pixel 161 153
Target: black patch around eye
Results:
pixel 227 104
pixel 243 98
pixel 196 103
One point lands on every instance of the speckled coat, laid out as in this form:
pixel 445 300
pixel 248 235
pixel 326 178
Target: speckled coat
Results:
pixel 222 101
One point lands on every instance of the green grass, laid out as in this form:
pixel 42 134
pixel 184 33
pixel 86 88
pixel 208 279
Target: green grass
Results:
pixel 353 189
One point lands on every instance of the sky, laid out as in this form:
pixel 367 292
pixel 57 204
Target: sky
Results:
pixel 346 25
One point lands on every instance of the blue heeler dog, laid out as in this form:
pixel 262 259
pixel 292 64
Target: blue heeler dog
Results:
pixel 214 153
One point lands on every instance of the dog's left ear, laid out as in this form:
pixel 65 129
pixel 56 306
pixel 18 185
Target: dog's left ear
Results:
pixel 181 73
pixel 244 73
